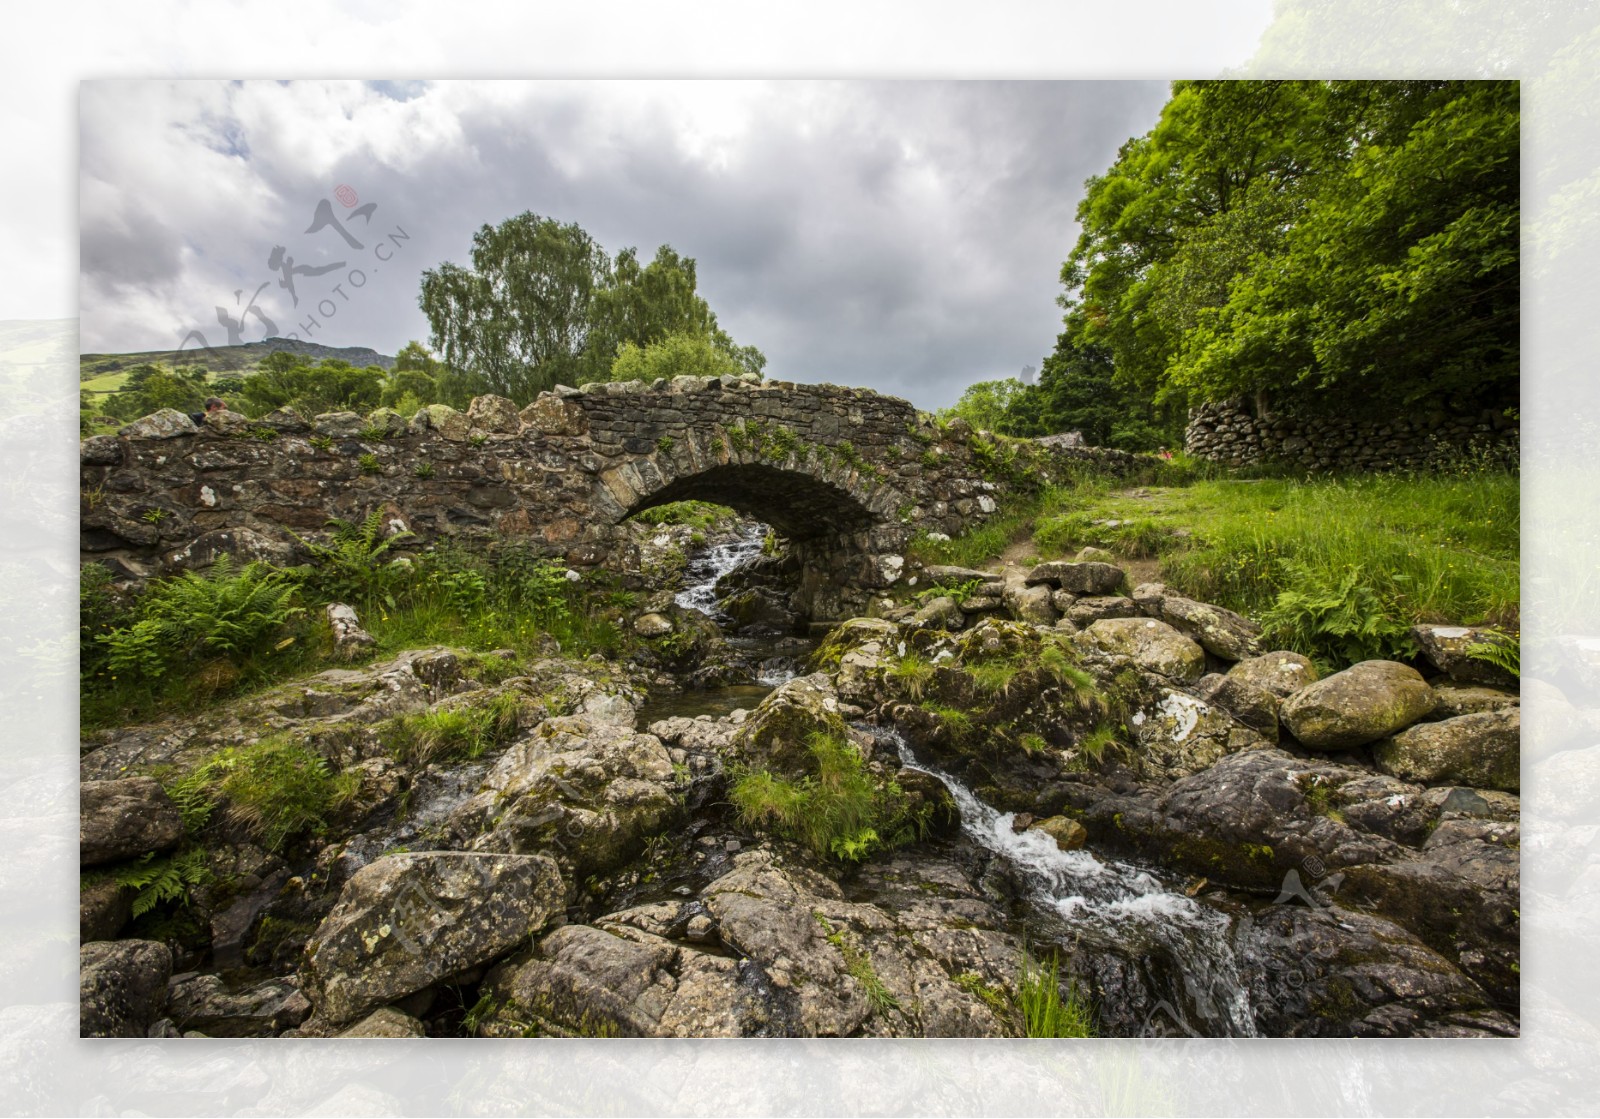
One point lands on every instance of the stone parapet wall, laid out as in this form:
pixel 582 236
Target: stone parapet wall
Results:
pixel 1233 435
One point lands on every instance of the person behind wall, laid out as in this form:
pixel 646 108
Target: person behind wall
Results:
pixel 213 405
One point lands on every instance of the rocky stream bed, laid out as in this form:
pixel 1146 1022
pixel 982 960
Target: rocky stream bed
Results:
pixel 1210 839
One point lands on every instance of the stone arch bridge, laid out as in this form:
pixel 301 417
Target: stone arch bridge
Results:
pixel 846 475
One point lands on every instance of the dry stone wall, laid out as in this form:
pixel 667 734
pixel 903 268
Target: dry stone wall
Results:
pixel 1233 435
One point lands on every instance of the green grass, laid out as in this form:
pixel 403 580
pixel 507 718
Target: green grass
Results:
pixel 701 515
pixel 858 964
pixel 838 809
pixel 983 543
pixel 235 645
pixel 1337 567
pixel 912 672
pixel 105 383
pixel 276 789
pixel 1043 1009
pixel 956 721
pixel 993 677
pixel 452 734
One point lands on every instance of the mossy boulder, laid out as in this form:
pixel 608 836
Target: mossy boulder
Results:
pixel 404 922
pixel 121 986
pixel 1453 651
pixel 1068 834
pixel 1175 734
pixel 1091 578
pixel 338 425
pixel 939 613
pixel 122 819
pixel 387 421
pixel 1222 633
pixel 494 414
pixel 1281 673
pixel 443 421
pixel 1480 750
pixel 776 735
pixel 579 787
pixel 1362 704
pixel 1253 706
pixel 1452 698
pixel 1149 644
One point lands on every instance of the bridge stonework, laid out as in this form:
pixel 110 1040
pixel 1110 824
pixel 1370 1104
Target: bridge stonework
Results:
pixel 846 475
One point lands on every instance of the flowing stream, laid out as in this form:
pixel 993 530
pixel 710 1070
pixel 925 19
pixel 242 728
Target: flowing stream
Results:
pixel 705 568
pixel 1118 905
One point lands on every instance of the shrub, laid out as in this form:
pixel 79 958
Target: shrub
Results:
pixel 100 611
pixel 1337 620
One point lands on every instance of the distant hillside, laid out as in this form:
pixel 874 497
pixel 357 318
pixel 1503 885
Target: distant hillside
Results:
pixel 225 359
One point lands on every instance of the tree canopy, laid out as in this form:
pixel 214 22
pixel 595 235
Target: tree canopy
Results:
pixel 543 304
pixel 1327 245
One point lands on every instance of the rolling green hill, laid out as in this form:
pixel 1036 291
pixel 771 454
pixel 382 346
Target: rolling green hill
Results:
pixel 104 372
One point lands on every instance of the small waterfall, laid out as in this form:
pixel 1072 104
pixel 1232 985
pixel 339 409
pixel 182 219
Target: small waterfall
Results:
pixel 1121 903
pixel 705 568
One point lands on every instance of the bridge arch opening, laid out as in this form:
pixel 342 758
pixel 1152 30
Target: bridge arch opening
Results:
pixel 832 525
pixel 798 506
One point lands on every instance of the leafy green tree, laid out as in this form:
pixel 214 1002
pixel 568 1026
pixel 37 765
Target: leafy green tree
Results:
pixel 419 379
pixel 151 387
pixel 1331 243
pixel 679 354
pixel 519 318
pixel 543 304
pixel 1400 282
pixel 286 380
pixel 987 405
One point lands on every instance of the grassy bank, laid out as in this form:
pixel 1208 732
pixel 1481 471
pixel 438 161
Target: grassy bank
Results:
pixel 1338 567
pixel 195 639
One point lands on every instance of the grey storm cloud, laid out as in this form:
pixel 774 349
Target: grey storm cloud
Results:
pixel 905 236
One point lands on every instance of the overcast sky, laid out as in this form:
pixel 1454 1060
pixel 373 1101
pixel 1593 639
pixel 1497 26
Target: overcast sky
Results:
pixel 905 236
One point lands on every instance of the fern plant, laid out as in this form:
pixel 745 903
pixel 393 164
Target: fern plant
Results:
pixel 1503 650
pixel 1339 620
pixel 159 881
pixel 234 614
pixel 354 566
pixel 222 611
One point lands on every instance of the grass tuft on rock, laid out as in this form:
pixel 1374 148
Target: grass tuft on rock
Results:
pixel 1043 1009
pixel 837 810
pixel 276 790
pixel 452 734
